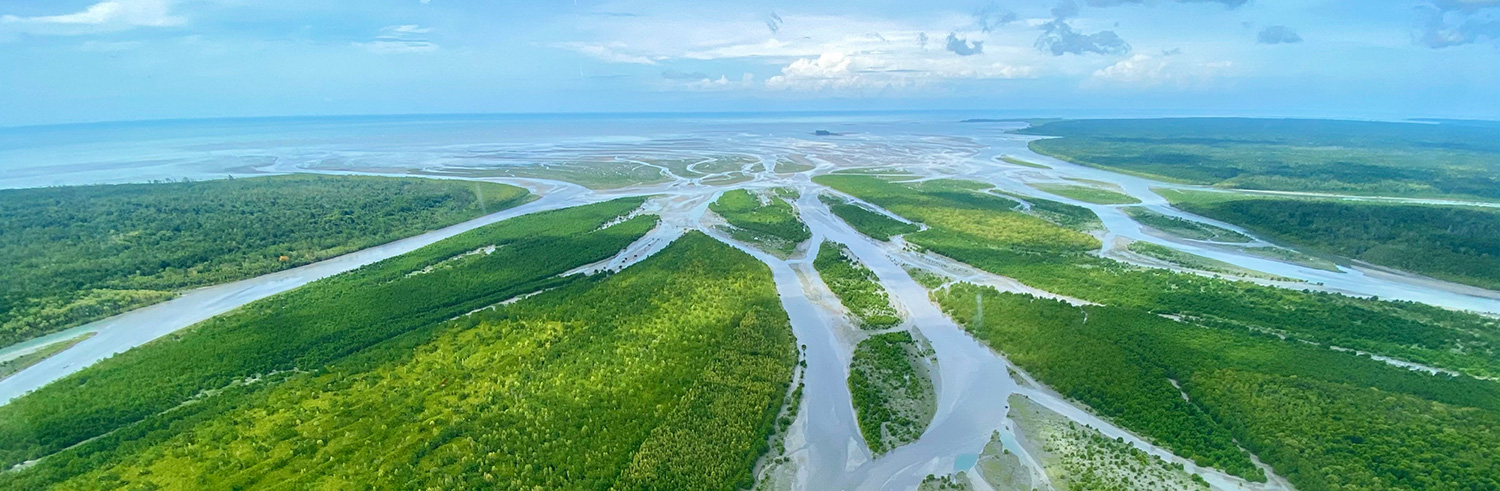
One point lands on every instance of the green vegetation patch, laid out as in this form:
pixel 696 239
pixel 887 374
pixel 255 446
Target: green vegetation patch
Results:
pixel 1181 227
pixel 1374 158
pixel 1454 243
pixel 875 225
pixel 133 394
pixel 891 386
pixel 1077 457
pixel 1133 388
pixel 1291 256
pixel 792 166
pixel 72 255
pixel 1000 468
pixel 856 286
pixel 1062 214
pixel 1194 261
pixel 987 232
pixel 763 219
pixel 1087 194
pixel 608 174
pixel 667 375
pixel 1166 380
pixel 961 208
pixel 1023 163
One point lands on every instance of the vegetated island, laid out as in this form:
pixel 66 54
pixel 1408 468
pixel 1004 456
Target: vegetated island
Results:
pixel 71 255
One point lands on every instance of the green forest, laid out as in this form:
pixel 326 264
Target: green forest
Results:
pixel 131 396
pixel 1181 227
pixel 667 375
pixel 1088 194
pixel 856 286
pixel 1134 388
pixel 892 390
pixel 1454 243
pixel 1355 157
pixel 1062 214
pixel 1323 419
pixel 71 255
pixel 1058 260
pixel 872 224
pixel 765 219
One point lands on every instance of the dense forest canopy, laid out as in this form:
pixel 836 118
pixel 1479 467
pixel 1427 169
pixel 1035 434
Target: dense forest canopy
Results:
pixel 71 255
pixel 1454 243
pixel 305 330
pixel 667 375
pixel 1122 358
pixel 1360 157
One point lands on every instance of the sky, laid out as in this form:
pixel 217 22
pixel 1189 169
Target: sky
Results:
pixel 65 61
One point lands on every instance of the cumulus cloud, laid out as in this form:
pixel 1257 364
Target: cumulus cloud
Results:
pixel 398 39
pixel 963 47
pixel 1277 35
pixel 992 16
pixel 1142 70
pixel 1446 23
pixel 863 71
pixel 1059 38
pixel 106 16
pixel 827 71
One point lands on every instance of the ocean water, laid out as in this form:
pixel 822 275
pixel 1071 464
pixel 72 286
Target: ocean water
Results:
pixel 215 148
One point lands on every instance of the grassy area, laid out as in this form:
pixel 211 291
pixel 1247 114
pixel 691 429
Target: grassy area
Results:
pixel 1062 214
pixel 1000 468
pixel 1140 370
pixel 667 375
pixel 1087 194
pixel 875 225
pixel 15 365
pixel 961 207
pixel 892 390
pixel 766 220
pixel 1023 163
pixel 72 255
pixel 1181 227
pixel 926 278
pixel 790 166
pixel 1454 243
pixel 1354 157
pixel 132 395
pixel 1194 261
pixel 1291 256
pixel 856 287
pixel 1078 457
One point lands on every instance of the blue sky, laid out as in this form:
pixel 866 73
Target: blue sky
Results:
pixel 74 61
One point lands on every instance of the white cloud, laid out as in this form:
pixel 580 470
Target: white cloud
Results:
pixel 106 16
pixel 399 39
pixel 1143 70
pixel 841 71
pixel 811 52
